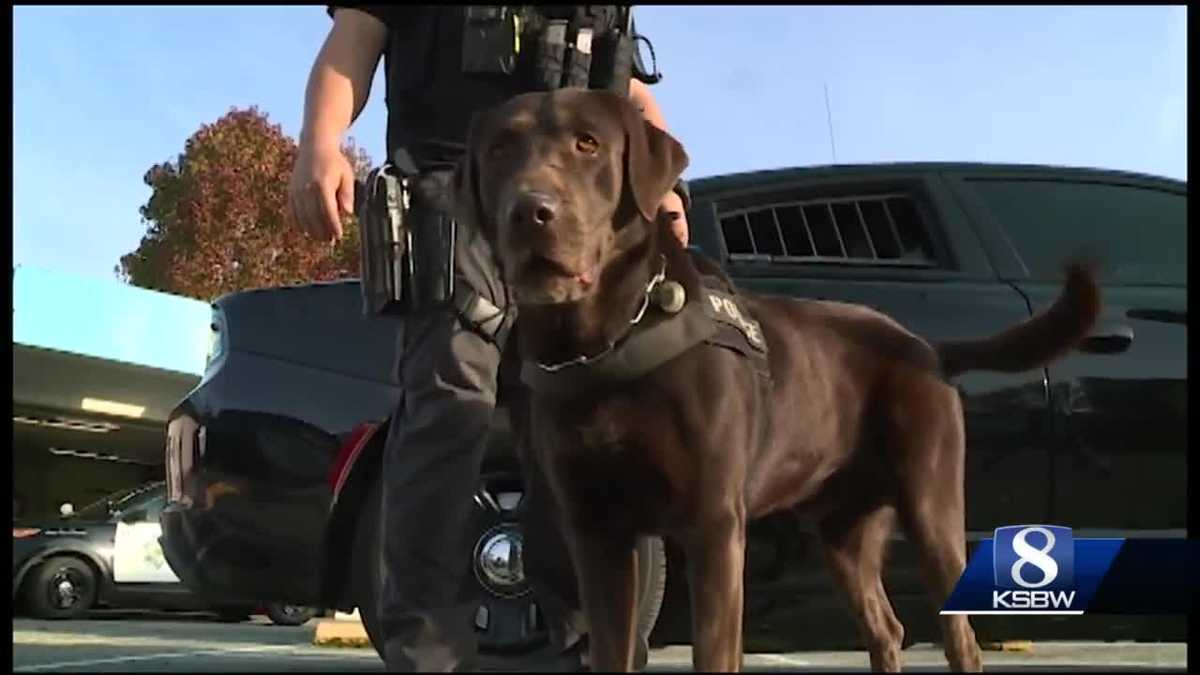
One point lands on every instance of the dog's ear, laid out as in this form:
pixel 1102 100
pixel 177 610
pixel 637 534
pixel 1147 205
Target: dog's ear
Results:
pixel 468 205
pixel 654 160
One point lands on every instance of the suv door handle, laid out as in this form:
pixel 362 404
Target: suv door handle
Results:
pixel 1107 340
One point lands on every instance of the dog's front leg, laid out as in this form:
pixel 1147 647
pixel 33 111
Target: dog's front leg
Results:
pixel 607 571
pixel 716 554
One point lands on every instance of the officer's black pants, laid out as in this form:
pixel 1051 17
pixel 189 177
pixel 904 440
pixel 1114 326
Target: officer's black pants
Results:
pixel 431 468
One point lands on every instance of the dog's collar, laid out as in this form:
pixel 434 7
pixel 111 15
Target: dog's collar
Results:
pixel 584 359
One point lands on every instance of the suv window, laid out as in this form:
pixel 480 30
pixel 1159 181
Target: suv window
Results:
pixel 1138 234
pixel 876 229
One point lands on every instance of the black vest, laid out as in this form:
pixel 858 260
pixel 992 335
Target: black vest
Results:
pixel 430 99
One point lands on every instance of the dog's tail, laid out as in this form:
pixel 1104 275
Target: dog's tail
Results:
pixel 1036 342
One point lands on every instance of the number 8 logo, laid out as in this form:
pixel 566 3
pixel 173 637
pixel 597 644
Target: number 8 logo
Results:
pixel 1027 554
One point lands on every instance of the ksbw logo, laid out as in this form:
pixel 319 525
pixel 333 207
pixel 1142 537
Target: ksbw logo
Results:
pixel 1044 569
pixel 1033 568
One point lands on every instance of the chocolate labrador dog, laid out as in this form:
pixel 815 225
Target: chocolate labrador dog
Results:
pixel 853 423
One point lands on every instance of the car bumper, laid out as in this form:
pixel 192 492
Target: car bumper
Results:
pixel 234 535
pixel 235 555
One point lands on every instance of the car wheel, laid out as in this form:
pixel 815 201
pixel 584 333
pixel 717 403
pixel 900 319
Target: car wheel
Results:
pixel 290 615
pixel 508 620
pixel 61 588
pixel 367 581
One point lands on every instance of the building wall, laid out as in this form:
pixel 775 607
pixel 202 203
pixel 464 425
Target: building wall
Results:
pixel 44 481
pixel 75 338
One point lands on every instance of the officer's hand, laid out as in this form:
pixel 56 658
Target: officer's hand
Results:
pixel 671 209
pixel 322 185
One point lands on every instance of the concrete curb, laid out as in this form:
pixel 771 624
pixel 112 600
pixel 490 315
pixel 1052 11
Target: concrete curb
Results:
pixel 343 630
pixel 1008 646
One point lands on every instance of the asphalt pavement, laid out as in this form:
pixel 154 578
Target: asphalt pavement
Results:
pixel 165 643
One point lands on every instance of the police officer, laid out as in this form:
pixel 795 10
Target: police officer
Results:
pixel 442 63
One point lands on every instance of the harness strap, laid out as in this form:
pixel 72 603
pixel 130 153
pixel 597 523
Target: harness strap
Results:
pixel 639 353
pixel 715 317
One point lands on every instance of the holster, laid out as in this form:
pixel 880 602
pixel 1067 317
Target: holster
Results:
pixel 383 241
pixel 407 246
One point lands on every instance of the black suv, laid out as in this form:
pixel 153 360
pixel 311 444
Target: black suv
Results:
pixel 272 460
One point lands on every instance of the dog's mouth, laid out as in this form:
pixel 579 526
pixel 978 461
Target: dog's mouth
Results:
pixel 544 266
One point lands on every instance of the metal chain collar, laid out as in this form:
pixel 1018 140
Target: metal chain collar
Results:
pixel 583 359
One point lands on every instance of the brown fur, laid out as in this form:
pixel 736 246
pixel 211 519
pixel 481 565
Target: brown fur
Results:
pixel 863 426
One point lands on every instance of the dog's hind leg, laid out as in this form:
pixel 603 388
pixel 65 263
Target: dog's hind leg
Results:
pixel 854 542
pixel 930 458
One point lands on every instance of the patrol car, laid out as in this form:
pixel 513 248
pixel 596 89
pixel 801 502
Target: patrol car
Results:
pixel 108 554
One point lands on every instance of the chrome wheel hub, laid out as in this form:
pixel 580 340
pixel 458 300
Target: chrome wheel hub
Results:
pixel 63 591
pixel 508 617
pixel 500 561
pixel 66 590
pixel 500 558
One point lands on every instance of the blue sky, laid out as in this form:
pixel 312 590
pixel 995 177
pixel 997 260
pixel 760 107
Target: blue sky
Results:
pixel 102 93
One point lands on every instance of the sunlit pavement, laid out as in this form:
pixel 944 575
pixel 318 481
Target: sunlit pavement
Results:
pixel 131 642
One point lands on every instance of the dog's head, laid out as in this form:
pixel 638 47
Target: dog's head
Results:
pixel 561 183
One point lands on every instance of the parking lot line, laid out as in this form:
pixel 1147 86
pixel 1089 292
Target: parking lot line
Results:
pixel 782 660
pixel 151 657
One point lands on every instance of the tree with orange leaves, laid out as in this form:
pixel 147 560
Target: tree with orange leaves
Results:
pixel 217 220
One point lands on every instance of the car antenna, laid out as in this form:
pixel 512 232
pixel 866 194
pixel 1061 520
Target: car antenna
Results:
pixel 829 118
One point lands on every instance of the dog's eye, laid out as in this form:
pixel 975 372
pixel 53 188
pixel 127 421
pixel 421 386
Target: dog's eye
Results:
pixel 587 144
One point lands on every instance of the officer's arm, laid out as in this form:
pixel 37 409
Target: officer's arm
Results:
pixel 674 202
pixel 340 80
pixel 641 97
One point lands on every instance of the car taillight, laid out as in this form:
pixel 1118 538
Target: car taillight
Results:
pixel 23 532
pixel 180 455
pixel 216 337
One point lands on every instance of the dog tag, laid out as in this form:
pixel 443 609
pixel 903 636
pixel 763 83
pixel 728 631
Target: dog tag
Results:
pixel 669 296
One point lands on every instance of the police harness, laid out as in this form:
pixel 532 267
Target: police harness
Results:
pixel 666 325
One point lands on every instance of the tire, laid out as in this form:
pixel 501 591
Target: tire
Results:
pixel 509 641
pixel 652 566
pixel 290 615
pixel 367 582
pixel 60 588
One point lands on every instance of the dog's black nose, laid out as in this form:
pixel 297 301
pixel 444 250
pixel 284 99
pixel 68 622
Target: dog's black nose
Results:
pixel 535 208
